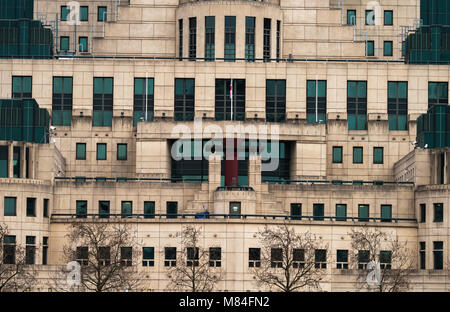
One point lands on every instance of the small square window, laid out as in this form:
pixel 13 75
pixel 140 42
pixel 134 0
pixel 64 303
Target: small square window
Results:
pixel 121 151
pixel 337 154
pixel 388 18
pixel 101 151
pixel 10 206
pixel 102 14
pixel 81 151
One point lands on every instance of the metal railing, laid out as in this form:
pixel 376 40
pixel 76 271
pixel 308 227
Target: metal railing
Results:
pixel 230 216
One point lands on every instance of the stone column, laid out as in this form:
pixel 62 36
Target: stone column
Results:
pixel 214 167
pixel 254 172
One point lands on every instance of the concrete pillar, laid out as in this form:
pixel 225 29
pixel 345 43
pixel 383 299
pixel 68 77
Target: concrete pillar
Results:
pixel 254 172
pixel 10 160
pixel 214 168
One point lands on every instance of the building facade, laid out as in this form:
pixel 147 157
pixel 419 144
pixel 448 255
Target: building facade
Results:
pixel 113 88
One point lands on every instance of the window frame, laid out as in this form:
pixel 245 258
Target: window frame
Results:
pixel 376 150
pixel 355 154
pixel 119 146
pixel 14 201
pixel 77 154
pixel 276 102
pixel 99 152
pixel 340 149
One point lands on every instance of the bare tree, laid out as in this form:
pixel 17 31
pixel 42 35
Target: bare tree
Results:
pixel 107 258
pixel 15 274
pixel 193 271
pixel 391 260
pixel 288 259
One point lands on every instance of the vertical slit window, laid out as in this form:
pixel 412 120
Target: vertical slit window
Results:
pixel 62 101
pixel 103 102
pixel 184 99
pixel 275 100
pixel 266 39
pixel 357 105
pixel 30 249
pixel 250 39
pixel 438 255
pixel 422 255
pixel 210 38
pixel 16 162
pixel 143 105
pixel 278 40
pixel 180 39
pixel 230 38
pixel 192 38
pixel 316 101
pixel 4 161
pixel 398 105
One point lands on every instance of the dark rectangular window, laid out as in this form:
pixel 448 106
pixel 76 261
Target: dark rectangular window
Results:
pixel 357 105
pixel 192 256
pixel 437 93
pixel 170 254
pixel 386 213
pixel 316 101
pixel 16 162
pixel 180 39
pixel 102 14
pixel 127 209
pixel 104 255
pixel 398 105
pixel 225 88
pixel 296 211
pixel 423 213
pixel 438 255
pixel 278 40
pixel 30 249
pixel 64 43
pixel 44 250
pixel 64 12
pixel 298 258
pixel 122 151
pixel 388 18
pixel 276 257
pixel 80 151
pixel 341 212
pixel 254 257
pixel 266 39
pixel 318 212
pixel 378 155
pixel 101 151
pixel 4 161
pixel 387 48
pixel 62 101
pixel 9 249
pixel 143 103
pixel 230 38
pixel 363 258
pixel 337 154
pixel 171 210
pixel 358 155
pixel 31 207
pixel 81 211
pixel 370 48
pixel 192 38
pixel 385 259
pixel 438 212
pixel 83 44
pixel 275 100
pixel 103 102
pixel 84 13
pixel 250 39
pixel 210 38
pixel 320 258
pixel 148 256
pixel 342 259
pixel 149 209
pixel 423 255
pixel 82 255
pixel 10 206
pixel 235 209
pixel 351 17
pixel 126 256
pixel 21 87
pixel 370 17
pixel 45 207
pixel 184 99
pixel 103 209
pixel 363 213
pixel 215 257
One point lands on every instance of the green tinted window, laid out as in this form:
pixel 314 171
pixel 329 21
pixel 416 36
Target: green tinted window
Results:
pixel 121 151
pixel 184 99
pixel 10 206
pixel 101 151
pixel 386 213
pixel 377 155
pixel 127 208
pixel 438 212
pixel 357 155
pixel 296 211
pixel 341 212
pixel 101 14
pixel 388 48
pixel 316 107
pixel 4 157
pixel 149 209
pixel 31 207
pixel 437 93
pixel 64 43
pixel 337 154
pixel 363 212
pixel 62 101
pixel 357 105
pixel 83 44
pixel 81 209
pixel 171 209
pixel 370 48
pixel 81 151
pixel 148 253
pixel 351 17
pixel 64 12
pixel 397 105
pixel 21 87
pixel 388 18
pixel 318 212
pixel 84 13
